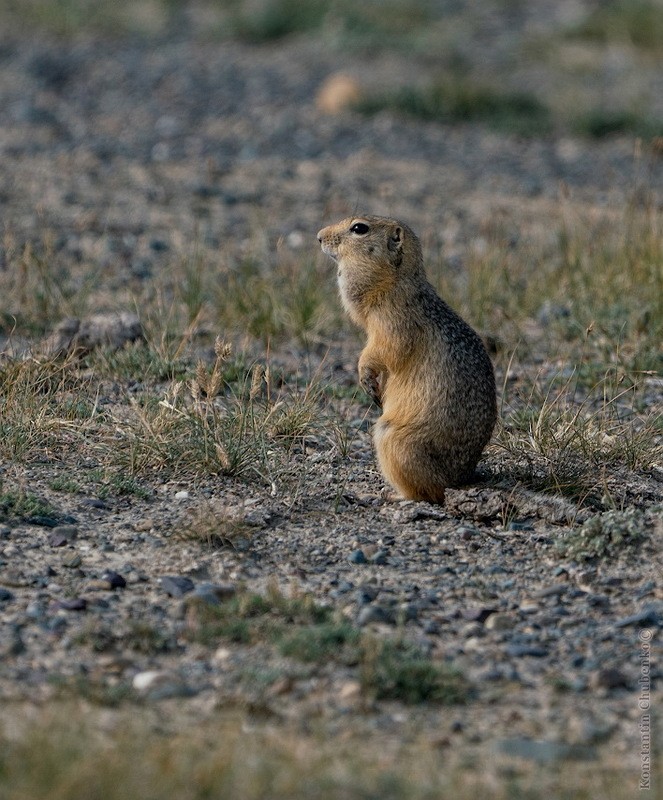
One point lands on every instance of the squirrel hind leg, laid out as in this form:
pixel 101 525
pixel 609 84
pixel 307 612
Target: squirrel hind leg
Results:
pixel 409 469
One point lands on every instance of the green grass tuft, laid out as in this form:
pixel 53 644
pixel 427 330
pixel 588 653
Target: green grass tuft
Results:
pixel 457 100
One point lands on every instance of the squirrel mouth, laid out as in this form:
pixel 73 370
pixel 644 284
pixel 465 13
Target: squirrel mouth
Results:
pixel 331 253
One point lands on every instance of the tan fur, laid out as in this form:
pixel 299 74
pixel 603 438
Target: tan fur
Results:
pixel 424 365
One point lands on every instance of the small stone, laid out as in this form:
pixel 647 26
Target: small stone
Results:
pixel 43 521
pixel 477 613
pixel 146 680
pixel 374 614
pixel 72 560
pixel 177 585
pixel 500 622
pixel 11 643
pixel 555 590
pixel 527 607
pixel 408 612
pixel 366 594
pixel 281 686
pixel 69 532
pixel 5 595
pixel 466 534
pixel 73 604
pixel 598 601
pixel 609 678
pixel 5 532
pixel 650 615
pixel 115 580
pixel 473 644
pixel 56 540
pixel 94 502
pixel 357 557
pixel 183 495
pixel 97 585
pixel 350 690
pixel 520 526
pixel 338 93
pixel 380 558
pixel 144 525
pixel 521 650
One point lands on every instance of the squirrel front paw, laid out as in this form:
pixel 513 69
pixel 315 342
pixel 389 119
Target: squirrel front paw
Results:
pixel 370 383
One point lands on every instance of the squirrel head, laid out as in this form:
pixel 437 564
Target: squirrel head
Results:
pixel 375 256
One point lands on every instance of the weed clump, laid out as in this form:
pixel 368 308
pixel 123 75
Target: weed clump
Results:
pixel 399 671
pixel 453 101
pixel 605 535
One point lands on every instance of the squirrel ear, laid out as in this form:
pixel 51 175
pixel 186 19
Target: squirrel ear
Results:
pixel 396 239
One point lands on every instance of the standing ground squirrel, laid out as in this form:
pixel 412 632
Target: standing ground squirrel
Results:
pixel 422 363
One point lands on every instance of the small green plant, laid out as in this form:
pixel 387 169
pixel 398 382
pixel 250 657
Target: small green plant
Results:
pixel 605 122
pixel 322 642
pixel 605 535
pixel 638 22
pixel 23 505
pixel 274 19
pixel 456 100
pixel 67 485
pixel 397 671
pixel 119 484
pixel 98 692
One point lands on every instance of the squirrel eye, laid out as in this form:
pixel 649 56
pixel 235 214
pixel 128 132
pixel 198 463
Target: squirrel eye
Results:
pixel 360 228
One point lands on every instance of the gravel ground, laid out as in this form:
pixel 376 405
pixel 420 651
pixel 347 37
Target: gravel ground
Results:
pixel 125 152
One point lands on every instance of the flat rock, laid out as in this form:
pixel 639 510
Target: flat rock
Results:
pixel 177 585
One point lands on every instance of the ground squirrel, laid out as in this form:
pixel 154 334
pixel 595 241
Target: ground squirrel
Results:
pixel 423 364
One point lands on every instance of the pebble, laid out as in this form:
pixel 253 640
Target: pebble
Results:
pixel 500 622
pixel 177 585
pixel 521 650
pixel 211 594
pixel 67 532
pixel 5 532
pixel 555 590
pixel 380 558
pixel 349 690
pixel 98 585
pixel 477 613
pixel 183 495
pixel 72 560
pixel 609 678
pixel 73 604
pixel 12 644
pixel 357 557
pixel 5 595
pixel 366 594
pixel 374 613
pixel 649 616
pixel 94 502
pixel 115 580
pixel 520 526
